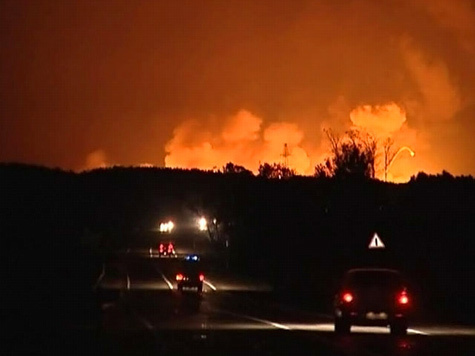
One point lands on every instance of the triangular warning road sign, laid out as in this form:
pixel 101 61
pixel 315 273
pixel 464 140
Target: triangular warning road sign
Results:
pixel 376 242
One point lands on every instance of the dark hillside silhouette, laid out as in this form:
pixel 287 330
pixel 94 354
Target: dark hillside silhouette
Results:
pixel 300 232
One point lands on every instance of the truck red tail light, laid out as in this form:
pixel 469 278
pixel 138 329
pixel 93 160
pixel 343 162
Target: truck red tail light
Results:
pixel 202 277
pixel 179 277
pixel 347 297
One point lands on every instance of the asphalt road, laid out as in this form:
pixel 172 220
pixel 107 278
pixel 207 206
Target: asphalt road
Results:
pixel 236 316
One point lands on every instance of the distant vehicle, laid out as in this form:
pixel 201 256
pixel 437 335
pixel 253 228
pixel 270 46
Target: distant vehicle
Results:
pixel 372 297
pixel 190 276
pixel 166 250
pixel 167 227
pixel 193 257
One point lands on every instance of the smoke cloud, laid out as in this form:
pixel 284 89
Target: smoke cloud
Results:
pixel 380 120
pixel 242 140
pixel 439 97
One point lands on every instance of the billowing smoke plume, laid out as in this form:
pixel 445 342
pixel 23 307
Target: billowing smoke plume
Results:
pixel 242 139
pixel 380 120
pixel 439 99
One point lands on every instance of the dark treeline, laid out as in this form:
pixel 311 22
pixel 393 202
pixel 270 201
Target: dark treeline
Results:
pixel 300 233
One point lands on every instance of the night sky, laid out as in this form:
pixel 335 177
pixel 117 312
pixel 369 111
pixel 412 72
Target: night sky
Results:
pixel 200 83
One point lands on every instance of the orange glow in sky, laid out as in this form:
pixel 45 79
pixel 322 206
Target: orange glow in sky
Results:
pixel 87 84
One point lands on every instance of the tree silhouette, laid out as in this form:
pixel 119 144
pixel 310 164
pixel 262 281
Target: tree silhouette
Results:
pixel 275 171
pixel 353 155
pixel 231 168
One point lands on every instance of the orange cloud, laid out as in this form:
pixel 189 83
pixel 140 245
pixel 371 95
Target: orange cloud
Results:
pixel 242 127
pixel 430 96
pixel 381 120
pixel 241 140
pixel 390 121
pixel 440 98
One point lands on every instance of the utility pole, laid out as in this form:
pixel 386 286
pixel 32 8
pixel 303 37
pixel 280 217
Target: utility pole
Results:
pixel 286 155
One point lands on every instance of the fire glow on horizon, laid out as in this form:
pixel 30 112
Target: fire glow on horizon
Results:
pixel 200 84
pixel 246 139
pixel 243 140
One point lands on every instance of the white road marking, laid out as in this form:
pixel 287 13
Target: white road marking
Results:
pixel 446 330
pixel 128 282
pixel 330 327
pixel 167 281
pixel 418 332
pixel 263 321
pixel 210 285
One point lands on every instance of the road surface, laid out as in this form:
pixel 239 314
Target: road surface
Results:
pixel 142 313
pixel 238 316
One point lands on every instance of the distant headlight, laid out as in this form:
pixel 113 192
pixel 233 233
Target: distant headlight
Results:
pixel 202 224
pixel 167 227
pixel 192 258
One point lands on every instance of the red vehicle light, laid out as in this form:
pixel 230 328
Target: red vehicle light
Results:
pixel 202 277
pixel 347 297
pixel 403 298
pixel 179 277
pixel 161 248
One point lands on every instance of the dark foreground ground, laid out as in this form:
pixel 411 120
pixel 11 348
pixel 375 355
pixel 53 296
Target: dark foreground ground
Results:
pixel 141 313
